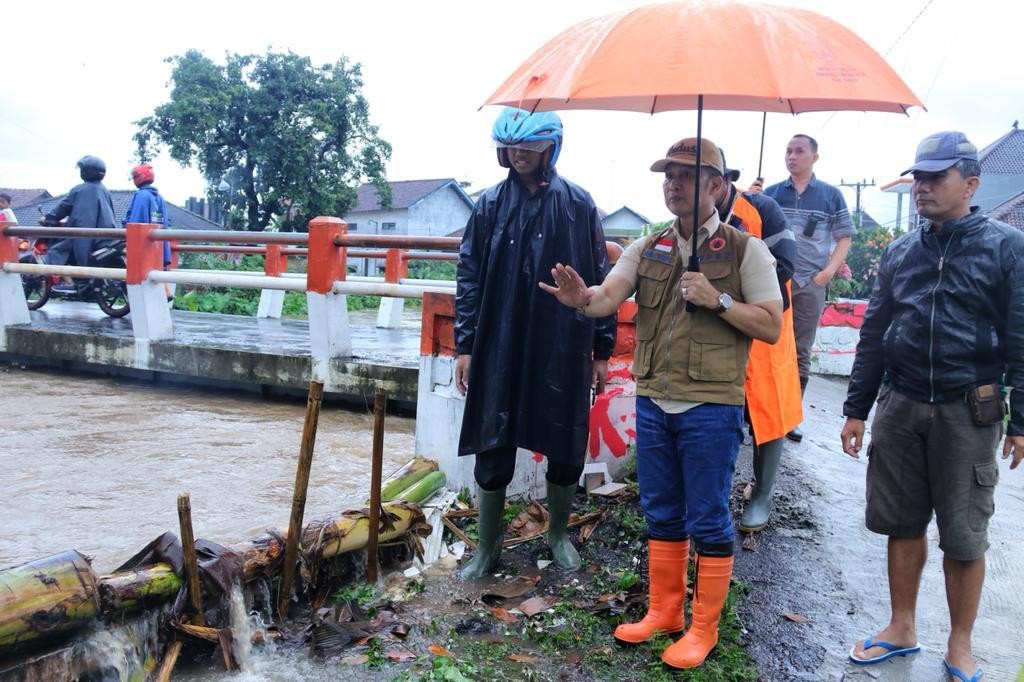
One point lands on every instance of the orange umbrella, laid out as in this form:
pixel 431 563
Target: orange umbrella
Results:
pixel 739 56
pixel 719 55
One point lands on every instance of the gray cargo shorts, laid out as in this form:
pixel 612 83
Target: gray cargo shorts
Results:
pixel 924 457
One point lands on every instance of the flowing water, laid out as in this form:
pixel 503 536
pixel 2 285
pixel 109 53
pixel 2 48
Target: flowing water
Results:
pixel 97 464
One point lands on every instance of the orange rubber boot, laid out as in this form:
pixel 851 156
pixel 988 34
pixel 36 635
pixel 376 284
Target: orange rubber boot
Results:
pixel 710 588
pixel 666 572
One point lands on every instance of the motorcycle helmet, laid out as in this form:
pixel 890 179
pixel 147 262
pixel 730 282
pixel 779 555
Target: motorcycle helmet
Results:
pixel 91 168
pixel 142 174
pixel 536 132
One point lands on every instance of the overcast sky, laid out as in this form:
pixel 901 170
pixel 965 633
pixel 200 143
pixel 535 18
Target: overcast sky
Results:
pixel 76 77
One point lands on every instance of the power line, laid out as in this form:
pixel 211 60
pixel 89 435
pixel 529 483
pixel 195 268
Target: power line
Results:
pixel 912 22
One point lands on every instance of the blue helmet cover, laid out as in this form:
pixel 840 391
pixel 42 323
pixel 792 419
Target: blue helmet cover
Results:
pixel 517 125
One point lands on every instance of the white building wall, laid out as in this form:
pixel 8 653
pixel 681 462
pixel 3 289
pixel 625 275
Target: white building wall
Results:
pixel 439 214
pixel 372 222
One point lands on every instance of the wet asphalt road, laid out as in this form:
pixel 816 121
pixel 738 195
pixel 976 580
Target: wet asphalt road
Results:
pixel 816 559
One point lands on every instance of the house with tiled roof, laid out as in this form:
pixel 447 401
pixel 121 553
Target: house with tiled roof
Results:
pixel 425 208
pixel 177 217
pixel 24 197
pixel 1002 172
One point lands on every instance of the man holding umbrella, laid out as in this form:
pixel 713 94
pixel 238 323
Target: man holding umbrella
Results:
pixel 690 367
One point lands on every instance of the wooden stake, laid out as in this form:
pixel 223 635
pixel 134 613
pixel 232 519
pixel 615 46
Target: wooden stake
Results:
pixel 188 546
pixel 380 401
pixel 167 665
pixel 291 549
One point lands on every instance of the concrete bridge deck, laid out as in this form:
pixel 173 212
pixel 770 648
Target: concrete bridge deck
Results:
pixel 229 351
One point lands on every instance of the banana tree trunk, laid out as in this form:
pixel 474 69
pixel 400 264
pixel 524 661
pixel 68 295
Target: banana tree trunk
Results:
pixel 132 590
pixel 415 470
pixel 45 598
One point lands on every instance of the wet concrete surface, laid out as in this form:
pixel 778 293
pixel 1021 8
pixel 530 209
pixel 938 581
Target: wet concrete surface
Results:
pixel 97 464
pixel 816 559
pixel 259 355
pixel 243 333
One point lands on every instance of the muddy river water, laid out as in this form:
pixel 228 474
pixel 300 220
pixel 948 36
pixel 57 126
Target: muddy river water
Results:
pixel 97 464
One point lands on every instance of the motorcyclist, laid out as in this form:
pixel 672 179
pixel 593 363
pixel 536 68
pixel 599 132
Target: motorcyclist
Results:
pixel 86 205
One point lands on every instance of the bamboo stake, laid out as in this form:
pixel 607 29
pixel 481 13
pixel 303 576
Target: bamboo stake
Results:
pixel 380 400
pixel 291 550
pixel 167 665
pixel 188 546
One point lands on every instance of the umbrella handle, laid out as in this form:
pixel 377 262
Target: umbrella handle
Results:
pixel 692 266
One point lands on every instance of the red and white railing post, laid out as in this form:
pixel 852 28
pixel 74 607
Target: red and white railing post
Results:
pixel 329 333
pixel 13 307
pixel 275 265
pixel 396 268
pixel 151 315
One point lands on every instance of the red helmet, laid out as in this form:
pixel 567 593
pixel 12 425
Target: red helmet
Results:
pixel 142 175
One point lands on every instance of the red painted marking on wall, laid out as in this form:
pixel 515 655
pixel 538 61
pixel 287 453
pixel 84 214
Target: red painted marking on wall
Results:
pixel 537 457
pixel 601 428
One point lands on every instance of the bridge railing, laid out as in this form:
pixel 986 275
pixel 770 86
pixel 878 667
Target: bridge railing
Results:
pixel 326 281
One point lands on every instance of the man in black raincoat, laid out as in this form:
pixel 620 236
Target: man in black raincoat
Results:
pixel 86 205
pixel 525 362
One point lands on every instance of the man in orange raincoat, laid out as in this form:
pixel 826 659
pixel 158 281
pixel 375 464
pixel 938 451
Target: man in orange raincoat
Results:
pixel 773 379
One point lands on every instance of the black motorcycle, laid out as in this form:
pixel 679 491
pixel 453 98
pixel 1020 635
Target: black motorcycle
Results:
pixel 111 295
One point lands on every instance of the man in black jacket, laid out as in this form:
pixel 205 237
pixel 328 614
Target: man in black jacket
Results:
pixel 525 363
pixel 86 205
pixel 945 332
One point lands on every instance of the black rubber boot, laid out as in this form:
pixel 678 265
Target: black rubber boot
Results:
pixel 559 506
pixel 490 532
pixel 796 435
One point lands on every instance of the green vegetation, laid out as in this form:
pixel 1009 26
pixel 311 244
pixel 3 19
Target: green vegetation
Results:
pixel 243 301
pixel 292 140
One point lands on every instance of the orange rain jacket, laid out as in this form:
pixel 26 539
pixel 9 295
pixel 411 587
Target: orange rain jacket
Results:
pixel 773 380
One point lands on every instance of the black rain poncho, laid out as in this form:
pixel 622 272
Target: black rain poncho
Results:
pixel 532 357
pixel 86 205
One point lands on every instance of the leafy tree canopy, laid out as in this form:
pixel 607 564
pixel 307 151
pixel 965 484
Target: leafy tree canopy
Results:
pixel 295 139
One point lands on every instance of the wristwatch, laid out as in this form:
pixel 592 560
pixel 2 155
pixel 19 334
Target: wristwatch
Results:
pixel 724 303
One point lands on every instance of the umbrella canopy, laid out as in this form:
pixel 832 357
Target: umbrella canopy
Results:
pixel 742 57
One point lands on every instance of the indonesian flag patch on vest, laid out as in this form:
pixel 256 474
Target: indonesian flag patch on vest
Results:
pixel 664 245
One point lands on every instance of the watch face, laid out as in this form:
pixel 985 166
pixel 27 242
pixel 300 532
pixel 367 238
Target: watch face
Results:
pixel 724 302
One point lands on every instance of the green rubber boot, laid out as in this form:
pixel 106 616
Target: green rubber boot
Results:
pixel 766 465
pixel 490 532
pixel 559 505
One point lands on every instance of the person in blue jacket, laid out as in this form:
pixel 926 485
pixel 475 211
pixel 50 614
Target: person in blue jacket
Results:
pixel 526 363
pixel 147 206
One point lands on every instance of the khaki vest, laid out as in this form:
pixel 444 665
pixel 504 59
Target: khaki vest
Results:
pixel 697 357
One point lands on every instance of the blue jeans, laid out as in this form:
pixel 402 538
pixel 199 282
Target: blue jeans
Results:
pixel 684 465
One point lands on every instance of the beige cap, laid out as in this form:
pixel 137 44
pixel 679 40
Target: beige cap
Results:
pixel 684 153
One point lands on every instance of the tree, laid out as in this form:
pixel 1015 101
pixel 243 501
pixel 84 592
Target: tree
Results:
pixel 297 137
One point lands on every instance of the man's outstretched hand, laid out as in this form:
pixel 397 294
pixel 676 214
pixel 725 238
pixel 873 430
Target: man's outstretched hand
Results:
pixel 569 289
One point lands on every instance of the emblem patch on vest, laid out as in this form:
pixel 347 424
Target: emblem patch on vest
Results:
pixel 717 244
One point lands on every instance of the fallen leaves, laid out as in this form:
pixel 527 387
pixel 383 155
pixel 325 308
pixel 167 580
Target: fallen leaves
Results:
pixel 439 650
pixel 795 617
pixel 504 615
pixel 535 605
pixel 399 655
pixel 512 589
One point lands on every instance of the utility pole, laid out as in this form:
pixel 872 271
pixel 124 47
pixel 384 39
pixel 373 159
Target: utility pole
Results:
pixel 857 188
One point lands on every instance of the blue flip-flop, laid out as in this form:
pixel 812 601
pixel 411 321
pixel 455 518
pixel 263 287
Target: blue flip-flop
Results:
pixel 958 674
pixel 891 650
